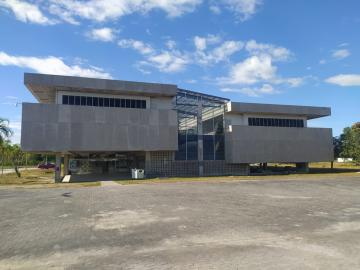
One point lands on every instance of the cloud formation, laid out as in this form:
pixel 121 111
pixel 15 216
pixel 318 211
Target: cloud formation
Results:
pixel 26 12
pixel 51 65
pixel 345 80
pixel 73 11
pixel 341 54
pixel 102 34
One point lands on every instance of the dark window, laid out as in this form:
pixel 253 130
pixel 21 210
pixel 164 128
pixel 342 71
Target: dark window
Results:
pixel 112 102
pixel 117 102
pixel 83 101
pixel 71 100
pixel 77 100
pixel 192 147
pixel 133 103
pixel 65 99
pixel 127 105
pixel 101 102
pixel 208 146
pixel 143 104
pixel 95 101
pixel 275 122
pixel 138 104
pixel 219 147
pixel 181 153
pixel 122 103
pixel 89 101
pixel 106 102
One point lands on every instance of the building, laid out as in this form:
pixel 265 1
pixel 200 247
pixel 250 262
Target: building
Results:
pixel 110 126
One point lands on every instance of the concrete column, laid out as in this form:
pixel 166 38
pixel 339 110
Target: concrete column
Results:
pixel 58 168
pixel 200 139
pixel 147 163
pixel 66 164
pixel 303 167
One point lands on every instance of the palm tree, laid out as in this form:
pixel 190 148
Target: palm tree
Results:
pixel 5 133
pixel 5 130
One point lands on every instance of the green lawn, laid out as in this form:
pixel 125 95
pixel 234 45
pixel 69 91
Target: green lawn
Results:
pixel 38 177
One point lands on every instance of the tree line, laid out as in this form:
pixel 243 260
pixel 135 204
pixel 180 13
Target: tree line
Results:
pixel 347 145
pixel 11 155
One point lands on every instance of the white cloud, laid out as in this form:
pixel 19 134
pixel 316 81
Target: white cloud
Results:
pixel 167 61
pixel 345 80
pixel 277 53
pixel 15 125
pixel 243 8
pixel 111 9
pixel 201 43
pixel 265 89
pixel 170 44
pixel 103 34
pixel 26 12
pixel 136 45
pixel 252 70
pixel 205 56
pixel 322 62
pixel 51 65
pixel 215 9
pixel 341 54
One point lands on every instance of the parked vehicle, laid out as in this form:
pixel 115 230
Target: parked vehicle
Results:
pixel 46 166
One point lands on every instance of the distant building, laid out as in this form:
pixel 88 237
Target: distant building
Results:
pixel 111 126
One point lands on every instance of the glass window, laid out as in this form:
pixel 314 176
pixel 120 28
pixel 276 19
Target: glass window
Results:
pixel 219 147
pixel 65 99
pixel 71 100
pixel 106 102
pixel 138 104
pixel 219 124
pixel 192 148
pixel 77 100
pixel 83 101
pixel 95 101
pixel 181 153
pixel 127 105
pixel 122 103
pixel 112 102
pixel 133 103
pixel 143 104
pixel 101 102
pixel 89 101
pixel 208 146
pixel 117 102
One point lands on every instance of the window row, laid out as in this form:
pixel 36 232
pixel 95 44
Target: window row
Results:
pixel 274 122
pixel 103 102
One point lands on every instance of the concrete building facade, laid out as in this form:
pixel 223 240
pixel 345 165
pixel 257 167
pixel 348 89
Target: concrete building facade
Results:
pixel 97 126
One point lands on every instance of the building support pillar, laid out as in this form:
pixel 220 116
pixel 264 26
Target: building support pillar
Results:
pixel 302 167
pixel 57 168
pixel 147 163
pixel 200 139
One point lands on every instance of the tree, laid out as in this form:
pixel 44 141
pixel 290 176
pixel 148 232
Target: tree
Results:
pixel 5 130
pixel 350 140
pixel 5 133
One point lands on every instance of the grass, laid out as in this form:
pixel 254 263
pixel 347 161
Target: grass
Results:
pixel 38 178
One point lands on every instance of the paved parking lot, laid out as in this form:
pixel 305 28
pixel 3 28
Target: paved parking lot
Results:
pixel 271 224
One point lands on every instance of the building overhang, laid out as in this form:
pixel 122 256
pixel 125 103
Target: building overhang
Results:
pixel 44 86
pixel 309 112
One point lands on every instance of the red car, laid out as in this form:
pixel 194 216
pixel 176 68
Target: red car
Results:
pixel 46 166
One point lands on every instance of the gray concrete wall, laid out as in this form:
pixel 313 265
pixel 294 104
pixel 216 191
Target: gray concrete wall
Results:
pixel 62 128
pixel 273 109
pixel 249 144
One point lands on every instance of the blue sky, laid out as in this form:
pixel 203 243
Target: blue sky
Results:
pixel 266 51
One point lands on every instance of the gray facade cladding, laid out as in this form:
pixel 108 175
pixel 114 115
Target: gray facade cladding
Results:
pixel 113 126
